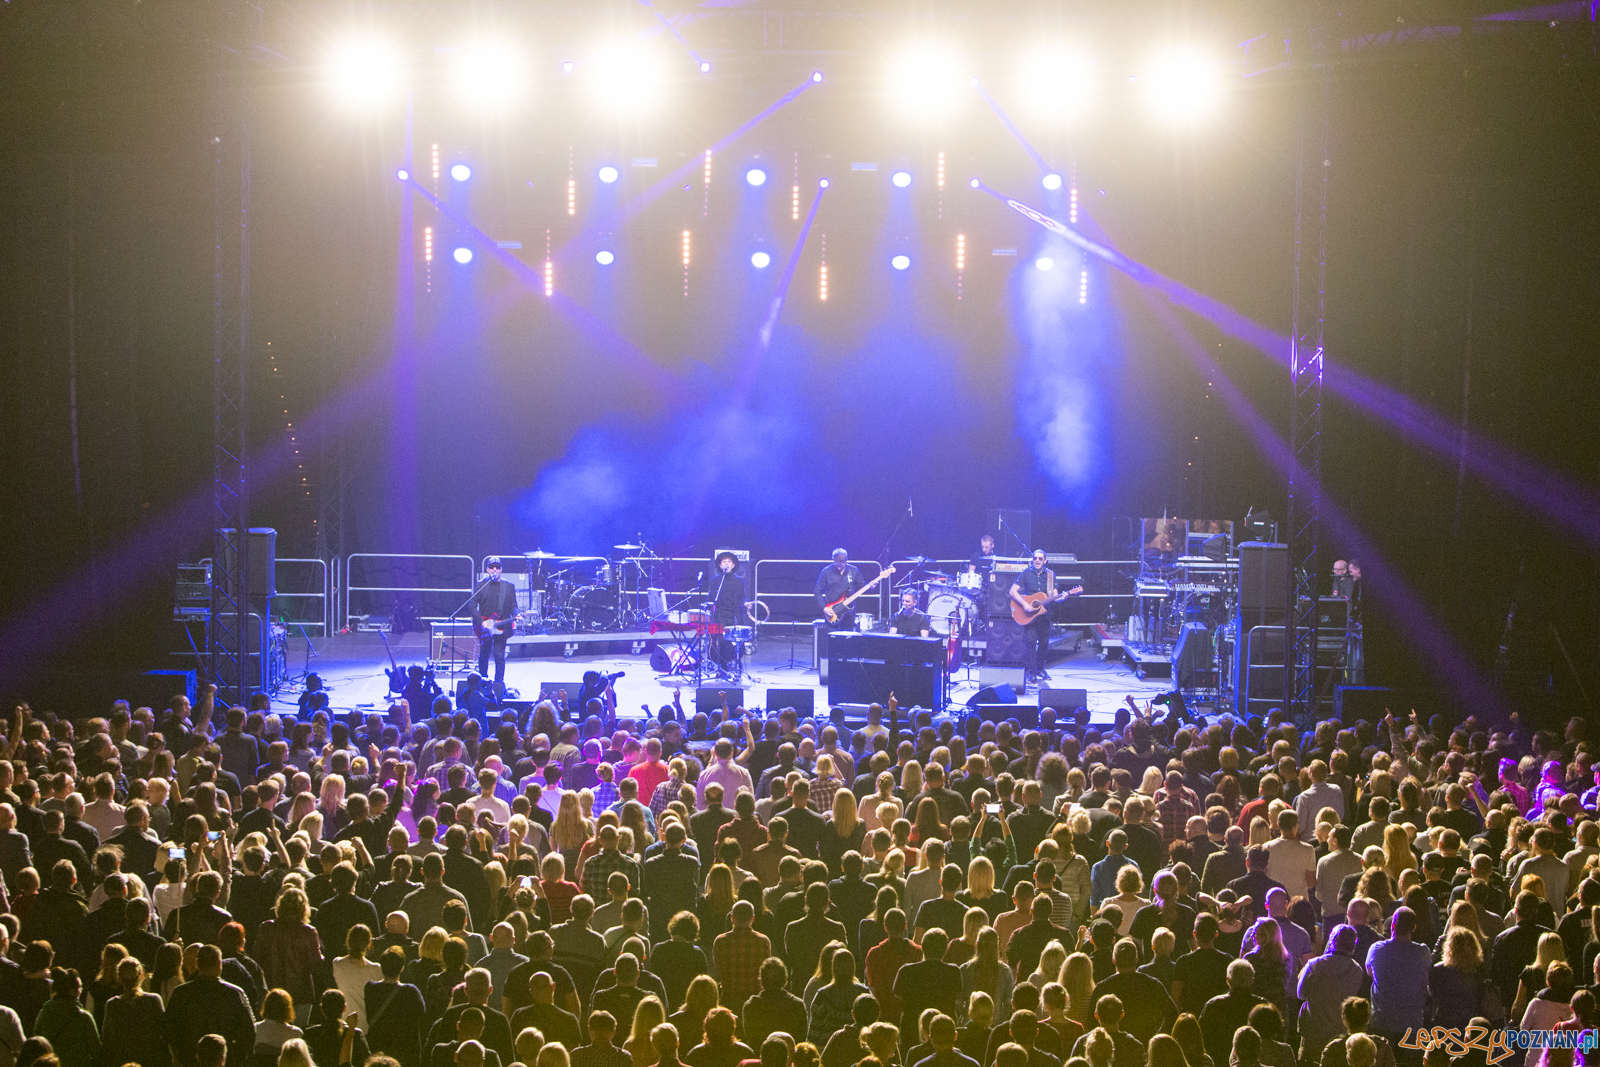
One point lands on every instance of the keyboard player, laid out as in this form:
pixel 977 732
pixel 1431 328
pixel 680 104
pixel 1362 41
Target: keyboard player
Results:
pixel 908 621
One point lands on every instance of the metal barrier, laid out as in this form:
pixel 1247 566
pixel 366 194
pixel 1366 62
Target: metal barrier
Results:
pixel 302 598
pixel 789 584
pixel 375 581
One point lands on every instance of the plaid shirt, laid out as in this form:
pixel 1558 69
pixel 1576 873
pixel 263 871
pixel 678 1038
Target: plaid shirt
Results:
pixel 605 795
pixel 598 868
pixel 738 955
pixel 823 791
pixel 665 794
pixel 1174 809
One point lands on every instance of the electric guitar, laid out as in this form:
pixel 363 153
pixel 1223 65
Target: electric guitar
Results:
pixel 1038 604
pixel 396 674
pixel 493 626
pixel 832 610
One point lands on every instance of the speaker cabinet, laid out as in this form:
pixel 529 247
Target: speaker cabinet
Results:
pixel 1063 700
pixel 1263 583
pixel 803 701
pixel 1005 647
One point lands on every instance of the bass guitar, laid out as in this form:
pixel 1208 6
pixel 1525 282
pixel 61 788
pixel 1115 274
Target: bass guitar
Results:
pixel 1038 604
pixel 832 610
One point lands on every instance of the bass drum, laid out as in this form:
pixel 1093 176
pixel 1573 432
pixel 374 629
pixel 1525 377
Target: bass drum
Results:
pixel 946 604
pixel 596 607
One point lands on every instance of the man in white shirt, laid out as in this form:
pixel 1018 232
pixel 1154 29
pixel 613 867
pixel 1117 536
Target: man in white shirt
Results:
pixel 1289 859
pixel 103 812
pixel 724 772
pixel 1332 869
pixel 1318 795
pixel 486 800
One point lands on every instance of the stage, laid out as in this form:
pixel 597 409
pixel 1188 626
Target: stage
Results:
pixel 352 667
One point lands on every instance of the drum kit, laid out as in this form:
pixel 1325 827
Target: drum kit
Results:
pixel 952 602
pixel 586 594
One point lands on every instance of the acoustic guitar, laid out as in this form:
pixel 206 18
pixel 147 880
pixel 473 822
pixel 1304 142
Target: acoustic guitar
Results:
pixel 1038 604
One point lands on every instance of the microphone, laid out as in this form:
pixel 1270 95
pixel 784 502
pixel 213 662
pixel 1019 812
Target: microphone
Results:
pixel 700 577
pixel 909 512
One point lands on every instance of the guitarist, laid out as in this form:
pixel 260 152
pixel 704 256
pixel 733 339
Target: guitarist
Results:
pixel 493 611
pixel 838 579
pixel 1036 631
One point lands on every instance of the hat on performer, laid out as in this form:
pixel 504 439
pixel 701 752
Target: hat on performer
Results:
pixel 840 553
pixel 726 555
pixel 492 561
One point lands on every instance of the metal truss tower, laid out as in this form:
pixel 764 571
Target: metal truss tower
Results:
pixel 1313 56
pixel 229 632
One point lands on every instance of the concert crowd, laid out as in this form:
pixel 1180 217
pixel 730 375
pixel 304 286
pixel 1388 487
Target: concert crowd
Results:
pixel 215 886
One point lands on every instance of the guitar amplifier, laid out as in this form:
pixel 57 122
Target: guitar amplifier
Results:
pixel 447 644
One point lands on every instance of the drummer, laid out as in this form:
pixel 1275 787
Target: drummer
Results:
pixel 984 560
pixel 908 621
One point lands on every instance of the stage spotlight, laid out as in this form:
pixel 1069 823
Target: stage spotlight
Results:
pixel 823 184
pixel 705 68
pixel 462 255
pixel 460 172
pixel 900 262
pixel 974 183
pixel 1044 263
pixel 488 75
pixel 608 174
pixel 627 78
pixel 926 81
pixel 403 174
pixel 901 179
pixel 755 176
pixel 604 258
pixel 816 75
pixel 1052 182
pixel 1182 85
pixel 1055 81
pixel 566 68
pixel 364 71
pixel 760 260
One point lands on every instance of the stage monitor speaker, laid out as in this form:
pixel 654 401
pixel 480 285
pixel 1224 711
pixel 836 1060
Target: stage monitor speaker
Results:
pixel 803 701
pixel 993 694
pixel 1067 700
pixel 551 690
pixel 1263 578
pixel 708 698
pixel 665 659
pixel 1005 646
pixel 1012 529
pixel 1193 655
pixel 1026 714
pixel 993 674
pixel 263 553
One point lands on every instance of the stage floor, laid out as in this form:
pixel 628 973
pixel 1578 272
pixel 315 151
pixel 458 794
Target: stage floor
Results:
pixel 352 669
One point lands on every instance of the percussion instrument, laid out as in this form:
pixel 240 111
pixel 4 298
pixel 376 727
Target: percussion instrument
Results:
pixel 739 634
pixel 949 604
pixel 596 607
pixel 972 581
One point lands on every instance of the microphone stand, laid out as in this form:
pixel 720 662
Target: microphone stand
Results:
pixel 1002 520
pixel 904 515
pixel 452 621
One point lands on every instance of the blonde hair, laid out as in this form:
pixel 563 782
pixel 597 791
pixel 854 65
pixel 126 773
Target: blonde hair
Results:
pixel 646 1017
pixel 911 778
pixel 432 945
pixel 1077 977
pixel 568 829
pixel 980 876
pixel 1397 855
pixel 845 816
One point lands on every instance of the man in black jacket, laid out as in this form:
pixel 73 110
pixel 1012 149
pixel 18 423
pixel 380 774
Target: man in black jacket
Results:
pixel 139 846
pixel 496 601
pixel 671 882
pixel 496 1028
pixel 58 913
pixel 928 983
pixel 207 1005
pixel 1515 947
pixel 52 848
pixel 342 911
pixel 1224 1014
pixel 200 919
pixel 774 1009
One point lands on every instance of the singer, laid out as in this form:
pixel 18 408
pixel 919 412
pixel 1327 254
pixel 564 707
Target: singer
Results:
pixel 727 604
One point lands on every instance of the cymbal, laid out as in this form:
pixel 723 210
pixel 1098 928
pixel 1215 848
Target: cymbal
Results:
pixel 628 548
pixel 542 554
pixel 941 576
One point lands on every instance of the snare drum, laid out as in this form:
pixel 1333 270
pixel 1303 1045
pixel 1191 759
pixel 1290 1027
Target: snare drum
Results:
pixel 972 582
pixel 603 575
pixel 864 623
pixel 741 635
